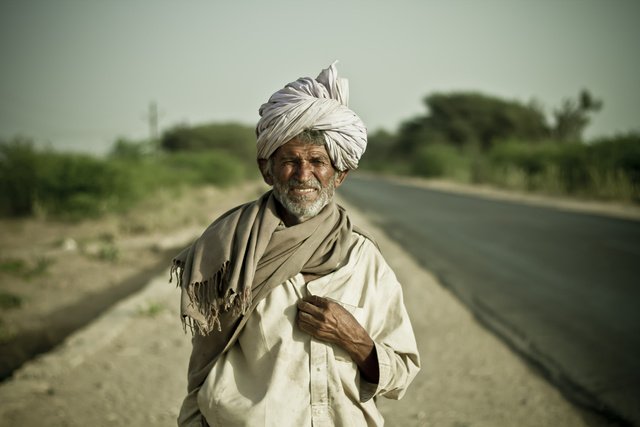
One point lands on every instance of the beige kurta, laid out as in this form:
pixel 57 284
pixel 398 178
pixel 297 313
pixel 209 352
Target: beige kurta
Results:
pixel 277 375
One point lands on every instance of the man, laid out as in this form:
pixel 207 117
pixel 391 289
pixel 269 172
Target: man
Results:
pixel 297 318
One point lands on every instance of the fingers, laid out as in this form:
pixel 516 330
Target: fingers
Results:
pixel 312 315
pixel 308 320
pixel 313 305
pixel 316 300
pixel 309 324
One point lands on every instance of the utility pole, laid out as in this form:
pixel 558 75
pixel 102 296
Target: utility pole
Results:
pixel 153 121
pixel 152 116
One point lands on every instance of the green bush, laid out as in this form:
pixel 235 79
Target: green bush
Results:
pixel 438 160
pixel 236 139
pixel 68 185
pixel 73 185
pixel 209 167
pixel 615 166
pixel 515 164
pixel 605 169
pixel 76 186
pixel 129 150
pixel 572 164
pixel 618 153
pixel 18 177
pixel 9 300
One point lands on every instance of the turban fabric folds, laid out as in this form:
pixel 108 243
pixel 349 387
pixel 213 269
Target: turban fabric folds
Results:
pixel 313 104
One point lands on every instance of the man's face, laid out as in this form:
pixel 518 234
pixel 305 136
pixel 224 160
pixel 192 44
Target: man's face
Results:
pixel 303 179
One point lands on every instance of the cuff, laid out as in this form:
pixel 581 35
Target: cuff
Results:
pixel 369 390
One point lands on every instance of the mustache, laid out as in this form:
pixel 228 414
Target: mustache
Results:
pixel 310 183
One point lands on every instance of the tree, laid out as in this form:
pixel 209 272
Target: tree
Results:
pixel 467 118
pixel 129 150
pixel 572 117
pixel 235 138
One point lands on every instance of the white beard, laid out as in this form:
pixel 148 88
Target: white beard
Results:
pixel 299 207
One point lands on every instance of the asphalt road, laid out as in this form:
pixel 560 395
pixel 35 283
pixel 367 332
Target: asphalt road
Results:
pixel 562 288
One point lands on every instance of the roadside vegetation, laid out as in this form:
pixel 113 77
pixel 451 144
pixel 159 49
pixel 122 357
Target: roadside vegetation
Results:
pixel 465 137
pixel 478 139
pixel 46 183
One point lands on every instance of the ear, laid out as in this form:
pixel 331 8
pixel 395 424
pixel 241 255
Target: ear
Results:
pixel 264 170
pixel 340 177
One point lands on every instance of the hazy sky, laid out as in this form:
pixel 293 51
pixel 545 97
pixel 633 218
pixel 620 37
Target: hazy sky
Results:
pixel 78 74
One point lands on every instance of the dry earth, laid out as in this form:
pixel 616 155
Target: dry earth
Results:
pixel 48 265
pixel 128 366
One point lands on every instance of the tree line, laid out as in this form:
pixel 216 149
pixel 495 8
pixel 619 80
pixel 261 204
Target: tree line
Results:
pixel 476 138
pixel 464 136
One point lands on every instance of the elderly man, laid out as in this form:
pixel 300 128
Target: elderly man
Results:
pixel 297 318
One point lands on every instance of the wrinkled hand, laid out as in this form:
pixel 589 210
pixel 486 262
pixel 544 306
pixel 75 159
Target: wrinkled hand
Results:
pixel 328 321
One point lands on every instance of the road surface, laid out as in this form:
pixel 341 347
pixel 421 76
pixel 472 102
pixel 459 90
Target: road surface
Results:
pixel 560 287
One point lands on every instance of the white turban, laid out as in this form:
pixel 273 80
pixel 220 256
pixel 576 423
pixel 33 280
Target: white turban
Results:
pixel 309 104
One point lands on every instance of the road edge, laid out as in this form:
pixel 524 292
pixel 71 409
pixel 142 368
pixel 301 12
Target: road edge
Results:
pixel 613 209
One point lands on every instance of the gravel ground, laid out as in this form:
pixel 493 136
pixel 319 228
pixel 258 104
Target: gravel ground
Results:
pixel 129 367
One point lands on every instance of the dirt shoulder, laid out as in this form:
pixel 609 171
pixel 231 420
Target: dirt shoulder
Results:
pixel 56 276
pixel 129 366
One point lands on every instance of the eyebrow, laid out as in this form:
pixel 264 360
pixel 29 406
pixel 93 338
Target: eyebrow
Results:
pixel 311 155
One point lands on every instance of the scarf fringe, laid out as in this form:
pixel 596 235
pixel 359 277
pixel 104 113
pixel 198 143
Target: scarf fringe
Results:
pixel 207 298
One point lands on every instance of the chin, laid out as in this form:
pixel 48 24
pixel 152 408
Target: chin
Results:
pixel 303 210
pixel 303 207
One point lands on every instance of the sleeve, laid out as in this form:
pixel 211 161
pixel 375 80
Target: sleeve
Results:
pixel 394 340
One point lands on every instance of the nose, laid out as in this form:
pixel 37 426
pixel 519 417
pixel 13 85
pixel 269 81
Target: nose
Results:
pixel 303 171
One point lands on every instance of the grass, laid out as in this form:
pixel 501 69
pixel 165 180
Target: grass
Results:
pixel 6 333
pixel 9 301
pixel 26 270
pixel 152 309
pixel 109 252
pixel 13 266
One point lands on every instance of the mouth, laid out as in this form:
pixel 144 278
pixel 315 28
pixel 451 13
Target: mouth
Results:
pixel 302 191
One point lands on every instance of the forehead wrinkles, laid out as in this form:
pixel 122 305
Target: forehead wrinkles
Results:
pixel 314 152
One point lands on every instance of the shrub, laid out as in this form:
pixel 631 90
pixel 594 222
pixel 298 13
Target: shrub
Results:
pixel 209 167
pixel 438 160
pixel 236 139
pixel 73 185
pixel 615 166
pixel 69 185
pixel 18 177
pixel 76 186
pixel 605 169
pixel 129 150
pixel 572 165
pixel 9 300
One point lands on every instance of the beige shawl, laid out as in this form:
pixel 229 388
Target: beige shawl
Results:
pixel 246 252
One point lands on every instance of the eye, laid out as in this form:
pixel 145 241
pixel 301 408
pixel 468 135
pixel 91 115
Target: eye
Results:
pixel 319 161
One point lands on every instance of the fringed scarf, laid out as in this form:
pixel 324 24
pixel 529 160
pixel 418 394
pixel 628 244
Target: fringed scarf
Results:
pixel 246 252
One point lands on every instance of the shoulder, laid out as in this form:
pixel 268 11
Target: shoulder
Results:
pixel 361 233
pixel 369 277
pixel 365 257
